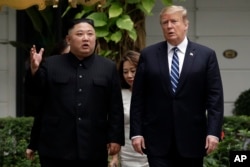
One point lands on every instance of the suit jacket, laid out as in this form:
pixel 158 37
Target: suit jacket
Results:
pixel 186 117
pixel 81 110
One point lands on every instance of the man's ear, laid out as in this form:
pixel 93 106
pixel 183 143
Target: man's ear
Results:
pixel 67 39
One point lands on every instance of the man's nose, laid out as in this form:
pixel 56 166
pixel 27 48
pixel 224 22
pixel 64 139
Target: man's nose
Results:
pixel 85 36
pixel 169 24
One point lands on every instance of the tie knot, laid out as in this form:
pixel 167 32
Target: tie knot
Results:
pixel 175 49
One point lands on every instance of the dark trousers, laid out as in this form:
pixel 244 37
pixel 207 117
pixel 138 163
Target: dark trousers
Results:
pixel 175 162
pixel 174 159
pixel 52 162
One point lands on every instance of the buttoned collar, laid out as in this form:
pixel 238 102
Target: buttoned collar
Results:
pixel 86 62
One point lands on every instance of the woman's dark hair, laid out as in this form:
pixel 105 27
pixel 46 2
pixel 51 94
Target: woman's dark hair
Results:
pixel 133 58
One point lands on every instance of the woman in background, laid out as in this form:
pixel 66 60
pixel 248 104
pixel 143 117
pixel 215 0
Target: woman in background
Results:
pixel 127 156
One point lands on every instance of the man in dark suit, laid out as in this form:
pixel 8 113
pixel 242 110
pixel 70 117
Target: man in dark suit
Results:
pixel 81 119
pixel 176 122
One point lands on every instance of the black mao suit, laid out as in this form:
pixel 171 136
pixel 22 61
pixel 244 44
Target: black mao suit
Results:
pixel 81 110
pixel 164 118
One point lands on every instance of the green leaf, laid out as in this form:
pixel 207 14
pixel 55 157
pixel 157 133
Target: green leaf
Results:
pixel 125 22
pixel 139 6
pixel 100 19
pixel 148 5
pixel 105 53
pixel 101 32
pixel 66 11
pixel 80 14
pixel 168 2
pixel 132 34
pixel 107 38
pixel 115 10
pixel 117 36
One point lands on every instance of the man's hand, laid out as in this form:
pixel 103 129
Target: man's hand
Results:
pixel 114 161
pixel 35 59
pixel 113 148
pixel 138 144
pixel 30 154
pixel 211 143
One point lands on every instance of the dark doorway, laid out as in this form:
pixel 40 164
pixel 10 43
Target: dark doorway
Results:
pixel 26 37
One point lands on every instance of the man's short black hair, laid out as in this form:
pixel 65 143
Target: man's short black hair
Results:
pixel 73 22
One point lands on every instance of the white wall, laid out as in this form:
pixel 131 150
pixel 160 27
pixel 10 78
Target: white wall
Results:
pixel 7 63
pixel 221 25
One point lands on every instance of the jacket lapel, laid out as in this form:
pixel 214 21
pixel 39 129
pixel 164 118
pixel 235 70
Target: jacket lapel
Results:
pixel 187 64
pixel 163 65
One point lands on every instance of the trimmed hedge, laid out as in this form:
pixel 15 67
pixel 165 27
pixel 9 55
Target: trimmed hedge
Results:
pixel 241 105
pixel 15 132
pixel 14 138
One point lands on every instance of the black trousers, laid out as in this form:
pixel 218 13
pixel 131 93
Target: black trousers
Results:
pixel 174 159
pixel 174 162
pixel 52 162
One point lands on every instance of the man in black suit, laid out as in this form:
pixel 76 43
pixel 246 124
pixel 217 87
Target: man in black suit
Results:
pixel 176 125
pixel 81 119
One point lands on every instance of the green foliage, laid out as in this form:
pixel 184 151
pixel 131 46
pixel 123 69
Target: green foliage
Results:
pixel 237 131
pixel 15 133
pixel 242 104
pixel 117 24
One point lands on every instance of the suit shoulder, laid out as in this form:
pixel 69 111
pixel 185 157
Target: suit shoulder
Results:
pixel 201 47
pixel 155 47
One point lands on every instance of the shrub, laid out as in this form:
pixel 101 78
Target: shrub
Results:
pixel 15 133
pixel 236 132
pixel 242 104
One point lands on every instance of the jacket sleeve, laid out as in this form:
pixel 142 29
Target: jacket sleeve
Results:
pixel 116 114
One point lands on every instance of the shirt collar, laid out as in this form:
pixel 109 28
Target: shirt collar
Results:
pixel 86 62
pixel 182 46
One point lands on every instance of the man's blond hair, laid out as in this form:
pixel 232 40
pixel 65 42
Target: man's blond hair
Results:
pixel 174 9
